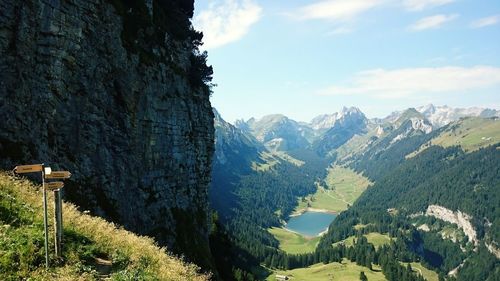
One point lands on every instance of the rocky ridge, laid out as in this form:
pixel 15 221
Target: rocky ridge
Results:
pixel 115 92
pixel 462 220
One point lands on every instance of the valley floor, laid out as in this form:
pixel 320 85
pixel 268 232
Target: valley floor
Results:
pixel 345 271
pixel 294 243
pixel 343 187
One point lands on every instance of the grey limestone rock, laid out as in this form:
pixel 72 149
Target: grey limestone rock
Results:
pixel 137 137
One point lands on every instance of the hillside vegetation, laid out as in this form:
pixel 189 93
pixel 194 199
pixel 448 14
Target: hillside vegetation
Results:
pixel 341 271
pixel 470 134
pixel 87 240
pixel 294 243
pixel 343 187
pixel 374 238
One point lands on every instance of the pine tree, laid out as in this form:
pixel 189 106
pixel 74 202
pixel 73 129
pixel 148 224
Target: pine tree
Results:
pixel 362 276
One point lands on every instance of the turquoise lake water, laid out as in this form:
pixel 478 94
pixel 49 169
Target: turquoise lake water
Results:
pixel 310 223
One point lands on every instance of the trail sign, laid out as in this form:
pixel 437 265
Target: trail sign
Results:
pixel 54 185
pixel 58 175
pixel 28 168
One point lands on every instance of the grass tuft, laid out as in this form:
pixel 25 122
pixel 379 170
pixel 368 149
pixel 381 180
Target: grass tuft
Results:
pixel 87 240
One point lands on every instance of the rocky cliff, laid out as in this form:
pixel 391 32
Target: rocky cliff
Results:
pixel 462 220
pixel 114 91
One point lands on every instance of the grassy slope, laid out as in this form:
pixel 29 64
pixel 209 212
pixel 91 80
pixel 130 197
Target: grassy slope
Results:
pixel 357 144
pixel 428 274
pixel 344 186
pixel 345 271
pixel 85 238
pixel 469 133
pixel 294 243
pixel 270 159
pixel 374 238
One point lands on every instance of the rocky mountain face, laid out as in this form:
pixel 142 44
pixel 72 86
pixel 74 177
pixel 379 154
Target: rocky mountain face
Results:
pixel 115 92
pixel 278 132
pixel 349 122
pixel 324 122
pixel 440 116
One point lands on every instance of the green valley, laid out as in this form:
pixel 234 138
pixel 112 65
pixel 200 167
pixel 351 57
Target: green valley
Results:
pixel 294 243
pixel 342 186
pixel 337 271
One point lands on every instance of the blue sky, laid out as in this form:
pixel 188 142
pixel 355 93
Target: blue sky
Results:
pixel 305 58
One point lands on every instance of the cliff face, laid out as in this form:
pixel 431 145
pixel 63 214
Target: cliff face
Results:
pixel 462 220
pixel 115 92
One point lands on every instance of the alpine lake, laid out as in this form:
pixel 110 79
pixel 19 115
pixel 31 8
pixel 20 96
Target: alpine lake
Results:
pixel 310 224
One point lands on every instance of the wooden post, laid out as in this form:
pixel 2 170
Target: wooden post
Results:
pixel 45 223
pixel 59 202
pixel 57 222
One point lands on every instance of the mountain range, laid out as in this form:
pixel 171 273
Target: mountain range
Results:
pixel 327 132
pixel 262 166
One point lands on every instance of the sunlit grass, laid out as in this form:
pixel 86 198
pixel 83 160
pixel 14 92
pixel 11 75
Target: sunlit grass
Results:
pixel 375 238
pixel 428 274
pixel 470 134
pixel 294 243
pixel 345 271
pixel 344 186
pixel 85 238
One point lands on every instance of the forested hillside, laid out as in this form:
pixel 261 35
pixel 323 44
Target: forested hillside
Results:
pixel 405 188
pixel 437 216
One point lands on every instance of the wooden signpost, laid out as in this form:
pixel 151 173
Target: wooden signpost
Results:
pixel 28 168
pixel 58 217
pixel 60 175
pixel 33 169
pixel 55 186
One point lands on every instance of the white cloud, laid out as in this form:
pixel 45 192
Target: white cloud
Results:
pixel 419 5
pixel 408 82
pixel 485 21
pixel 226 21
pixel 432 22
pixel 338 10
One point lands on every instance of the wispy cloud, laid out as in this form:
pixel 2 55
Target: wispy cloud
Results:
pixel 337 10
pixel 408 82
pixel 485 21
pixel 435 21
pixel 419 5
pixel 227 21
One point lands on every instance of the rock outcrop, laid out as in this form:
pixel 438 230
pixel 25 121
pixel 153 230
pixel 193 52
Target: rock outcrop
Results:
pixel 462 220
pixel 114 91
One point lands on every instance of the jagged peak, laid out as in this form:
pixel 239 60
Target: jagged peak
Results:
pixel 350 110
pixel 273 117
pixel 429 108
pixel 409 114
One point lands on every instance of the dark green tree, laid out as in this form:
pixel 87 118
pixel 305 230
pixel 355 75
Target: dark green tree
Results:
pixel 362 276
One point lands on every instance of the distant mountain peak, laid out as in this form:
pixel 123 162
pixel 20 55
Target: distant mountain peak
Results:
pixel 443 115
pixel 327 121
pixel 350 110
pixel 427 109
pixel 410 113
pixel 278 132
